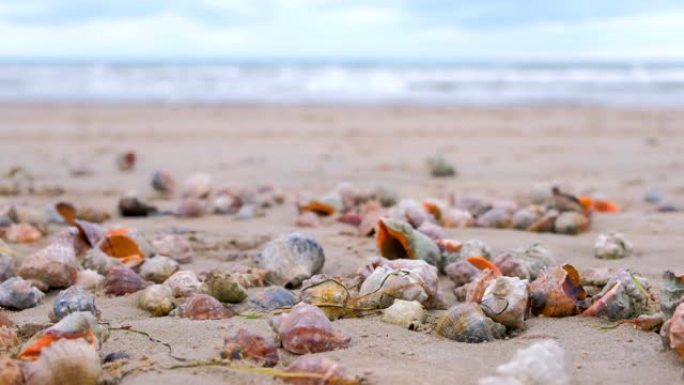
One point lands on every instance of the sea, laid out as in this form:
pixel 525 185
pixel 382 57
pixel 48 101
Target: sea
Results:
pixel 481 84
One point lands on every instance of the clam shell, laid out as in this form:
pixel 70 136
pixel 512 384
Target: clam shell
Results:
pixel 505 301
pixel 72 300
pixel 158 269
pixel 183 283
pixel 315 370
pixel 396 239
pixel 203 307
pixel 540 363
pixel 18 293
pixel 245 344
pixel 54 266
pixel 407 314
pixel 224 287
pixel 306 329
pixel 10 371
pixel 625 296
pixel 467 322
pixel 197 186
pixel 156 299
pixel 271 298
pixel 122 280
pixel 612 246
pixel 291 258
pixel 175 247
pixel 557 292
pixel 671 292
pixel 72 362
pixel 571 222
pixel 673 332
pixel 22 233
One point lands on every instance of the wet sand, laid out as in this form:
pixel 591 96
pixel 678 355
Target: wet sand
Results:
pixel 499 152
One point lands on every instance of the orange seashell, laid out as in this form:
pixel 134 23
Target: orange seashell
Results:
pixel 122 280
pixel 22 233
pixel 673 331
pixel 79 325
pixel 483 263
pixel 245 344
pixel 605 206
pixel 449 245
pixel 396 239
pixel 203 307
pixel 315 370
pixel 67 211
pixel 123 248
pixel 557 292
pixel 306 329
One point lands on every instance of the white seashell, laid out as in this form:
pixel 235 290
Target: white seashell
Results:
pixel 612 246
pixel 542 363
pixel 66 361
pixel 505 301
pixel 158 269
pixel 89 279
pixel 183 283
pixel 407 314
pixel 197 186
pixel 156 299
pixel 475 248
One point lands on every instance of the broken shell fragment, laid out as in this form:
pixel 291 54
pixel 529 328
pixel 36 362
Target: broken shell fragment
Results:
pixel 612 246
pixel 156 299
pixel 224 287
pixel 671 292
pixel 122 280
pixel 72 300
pixel 625 296
pixel 557 292
pixel 407 314
pixel 203 307
pixel 291 258
pixel 18 293
pixel 306 329
pixel 245 344
pixel 315 370
pixel 73 362
pixel 505 301
pixel 396 239
pixel 467 322
pixel 54 266
pixel 158 269
pixel 541 363
pixel 271 298
pixel 183 283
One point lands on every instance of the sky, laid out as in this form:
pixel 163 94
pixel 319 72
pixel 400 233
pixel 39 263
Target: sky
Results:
pixel 385 30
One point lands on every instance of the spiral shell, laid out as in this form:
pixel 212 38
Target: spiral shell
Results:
pixel 271 298
pixel 306 329
pixel 316 370
pixel 18 293
pixel 54 266
pixel 224 287
pixel 203 307
pixel 158 269
pixel 291 258
pixel 505 301
pixel 396 239
pixel 525 217
pixel 183 283
pixel 557 292
pixel 612 246
pixel 329 294
pixel 72 362
pixel 197 186
pixel 22 233
pixel 245 344
pixel 625 296
pixel 175 247
pixel 671 292
pixel 326 205
pixel 407 314
pixel 673 332
pixel 122 280
pixel 525 263
pixel 72 300
pixel 75 326
pixel 467 322
pixel 10 371
pixel 156 299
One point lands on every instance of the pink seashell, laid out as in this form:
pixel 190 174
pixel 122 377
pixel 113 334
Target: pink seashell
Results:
pixel 306 329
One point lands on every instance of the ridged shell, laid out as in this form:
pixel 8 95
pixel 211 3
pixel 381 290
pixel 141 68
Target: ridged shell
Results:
pixel 407 314
pixel 461 272
pixel 306 329
pixel 10 371
pixel 175 247
pixel 271 298
pixel 505 301
pixel 525 263
pixel 467 322
pixel 122 280
pixel 72 300
pixel 245 344
pixel 625 296
pixel 396 239
pixel 183 283
pixel 316 370
pixel 156 299
pixel 158 269
pixel 557 292
pixel 72 362
pixel 203 307
pixel 224 287
pixel 18 293
pixel 673 332
pixel 672 292
pixel 54 266
pixel 291 258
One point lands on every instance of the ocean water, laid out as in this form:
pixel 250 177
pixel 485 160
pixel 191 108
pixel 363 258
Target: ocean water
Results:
pixel 630 84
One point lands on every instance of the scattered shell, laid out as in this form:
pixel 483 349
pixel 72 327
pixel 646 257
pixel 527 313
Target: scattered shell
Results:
pixel 131 206
pixel 126 160
pixel 440 167
pixel 7 265
pixel 435 232
pixel 563 201
pixel 496 218
pixel 327 205
pixel 385 194
pixel 571 222
pixel 525 217
pixel 306 329
pixel 396 239
pixel 8 340
pixel 329 294
pixel 673 332
pixel 292 258
pixel 96 260
pixel 505 301
pixel 245 344
pixel 183 283
pixel 122 247
pixel 122 280
pixel 525 263
pixel 557 292
pixel 89 279
pixel 541 363
pixel 92 214
pixel 489 272
pixel 653 196
pixel 461 272
pixel 315 370
pixel 475 248
pixel 10 371
pixel 671 292
pixel 156 299
pixel 407 314
pixel 73 362
pixel 612 246
pixel 203 307
pixel 545 223
pixel 457 218
pixel 307 219
pixel 197 186
pixel 191 208
pixel 224 287
pixel 163 183
pixel 72 300
pixel 54 266
pixel 77 325
pixel 175 247
pixel 625 296
pixel 467 322
pixel 271 298
pixel 17 293
pixel 22 233
pixel 158 269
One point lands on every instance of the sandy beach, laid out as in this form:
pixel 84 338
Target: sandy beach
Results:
pixel 500 152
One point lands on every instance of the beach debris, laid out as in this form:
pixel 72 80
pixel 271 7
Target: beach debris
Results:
pixel 72 300
pixel 130 205
pixel 306 329
pixel 66 361
pixel 396 239
pixel 612 246
pixel 156 299
pixel 75 326
pixel 122 280
pixel 223 286
pixel 525 263
pixel 440 167
pixel 272 297
pixel 202 307
pixel 407 314
pixel 158 269
pixel 541 363
pixel 175 247
pixel 291 258
pixel 21 233
pixel 197 186
pixel 625 296
pixel 673 332
pixel 557 292
pixel 315 370
pixel 183 283
pixel 246 344
pixel 125 161
pixel 164 183
pixel 671 292
pixel 54 266
pixel 505 301
pixel 467 322
pixel 18 293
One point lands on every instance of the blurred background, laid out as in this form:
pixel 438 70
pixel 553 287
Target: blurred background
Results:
pixel 612 52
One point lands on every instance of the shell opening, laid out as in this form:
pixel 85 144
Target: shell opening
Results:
pixel 393 244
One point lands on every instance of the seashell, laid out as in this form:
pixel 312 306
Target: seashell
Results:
pixel 597 204
pixel 398 240
pixel 457 218
pixel 571 222
pixel 505 301
pixel 671 292
pixel 525 217
pixel 625 296
pixel 7 265
pixel 75 326
pixel 271 298
pixel 17 293
pixel 197 186
pixel 183 283
pixel 203 307
pixel 126 160
pixel 371 213
pixel 433 231
pixel 156 299
pixel 475 248
pixel 122 247
pixel 525 263
pixel 96 260
pixel 545 223
pixel 557 292
pixel 329 294
pixel 191 208
pixel 291 258
pixel 158 269
pixel 4 321
pixel 477 286
pixel 34 216
pixel 673 332
pixel 564 202
pixel 21 233
pixel 597 276
pixel 89 279
pixel 496 217
pixel 435 207
pixel 440 167
pixel 461 272
pixel 245 344
pixel 10 371
pixel 407 314
pixel 54 266
pixel 224 287
pixel 410 211
pixel 249 276
pixel 8 340
pixel 175 247
pixel 306 329
pixel 307 219
pixel 386 194
pixel 467 322
pixel 122 280
pixel 163 183
pixel 73 362
pixel 131 206
pixel 326 205
pixel 72 300
pixel 541 363
pixel 89 234
pixel 315 370
pixel 612 246
pixel 224 204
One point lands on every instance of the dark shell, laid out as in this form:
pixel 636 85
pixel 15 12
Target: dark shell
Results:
pixel 306 329
pixel 203 307
pixel 131 206
pixel 467 322
pixel 72 300
pixel 245 344
pixel 271 298
pixel 122 280
pixel 318 371
pixel 17 293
